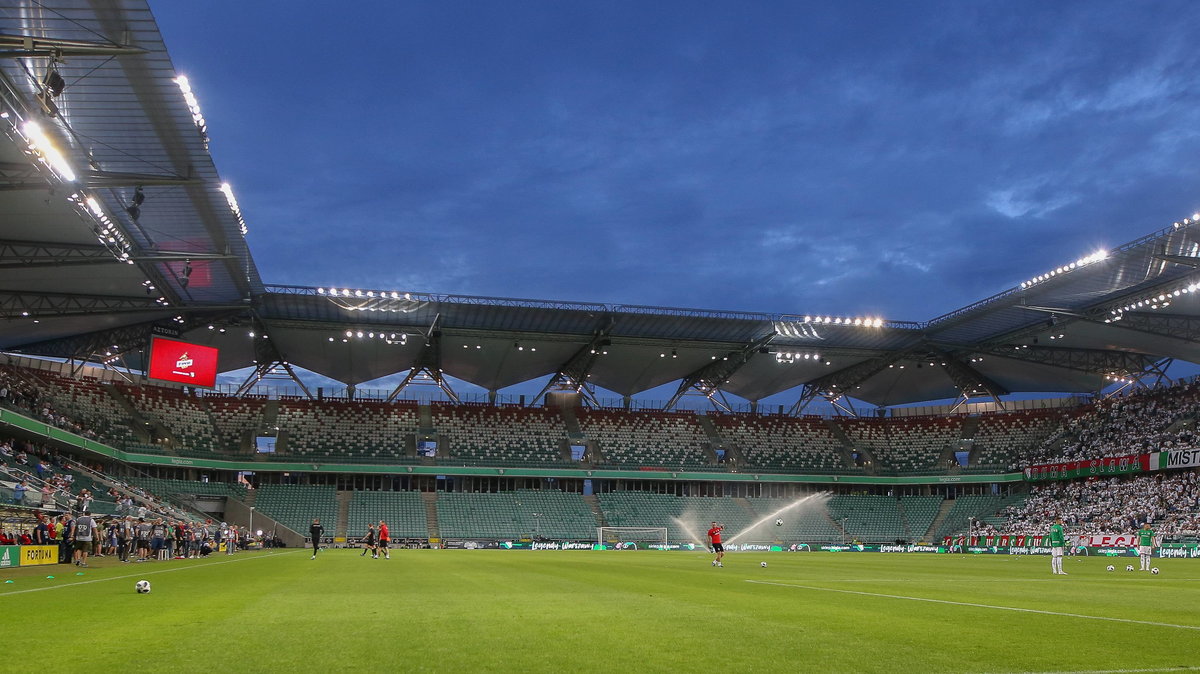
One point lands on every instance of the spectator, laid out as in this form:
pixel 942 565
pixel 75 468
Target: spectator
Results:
pixel 1116 505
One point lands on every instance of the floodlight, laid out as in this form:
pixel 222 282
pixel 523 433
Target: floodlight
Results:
pixel 40 142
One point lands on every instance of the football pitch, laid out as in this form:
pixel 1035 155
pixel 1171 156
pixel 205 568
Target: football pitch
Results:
pixel 497 610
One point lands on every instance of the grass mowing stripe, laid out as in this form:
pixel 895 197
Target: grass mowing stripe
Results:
pixel 971 604
pixel 147 573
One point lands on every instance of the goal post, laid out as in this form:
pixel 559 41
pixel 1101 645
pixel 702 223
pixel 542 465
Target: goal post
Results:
pixel 638 535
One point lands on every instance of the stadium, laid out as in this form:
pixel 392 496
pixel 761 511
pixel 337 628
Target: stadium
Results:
pixel 887 490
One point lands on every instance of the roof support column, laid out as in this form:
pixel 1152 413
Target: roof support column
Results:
pixel 708 380
pixel 428 367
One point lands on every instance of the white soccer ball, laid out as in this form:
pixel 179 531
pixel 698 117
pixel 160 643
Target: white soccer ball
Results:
pixel 1111 567
pixel 142 587
pixel 764 565
pixel 1154 570
pixel 1129 568
pixel 779 522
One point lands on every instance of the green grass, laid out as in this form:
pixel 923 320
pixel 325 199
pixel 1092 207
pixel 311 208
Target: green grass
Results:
pixel 501 610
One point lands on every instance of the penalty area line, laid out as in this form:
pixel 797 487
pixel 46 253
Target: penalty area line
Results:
pixel 974 605
pixel 145 573
pixel 1159 670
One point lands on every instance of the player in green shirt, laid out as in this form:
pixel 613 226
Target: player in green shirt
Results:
pixel 1145 546
pixel 1058 544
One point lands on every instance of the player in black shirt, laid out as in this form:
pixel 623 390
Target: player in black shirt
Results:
pixel 369 540
pixel 316 531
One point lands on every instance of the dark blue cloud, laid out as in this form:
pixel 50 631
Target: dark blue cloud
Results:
pixel 880 158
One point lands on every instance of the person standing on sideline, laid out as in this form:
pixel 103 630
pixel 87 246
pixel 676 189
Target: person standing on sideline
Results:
pixel 714 537
pixel 316 531
pixel 1145 546
pixel 142 539
pixel 124 538
pixel 1058 542
pixel 83 531
pixel 384 539
pixel 369 541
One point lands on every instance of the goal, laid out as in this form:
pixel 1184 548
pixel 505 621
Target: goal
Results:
pixel 637 535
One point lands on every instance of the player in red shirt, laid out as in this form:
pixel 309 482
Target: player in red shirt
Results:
pixel 384 539
pixel 714 535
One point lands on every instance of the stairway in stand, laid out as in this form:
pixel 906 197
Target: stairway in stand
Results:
pixel 936 524
pixel 343 515
pixel 597 513
pixel 431 515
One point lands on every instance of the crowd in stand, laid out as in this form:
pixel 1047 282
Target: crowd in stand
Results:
pixel 1168 501
pixel 1142 421
pixel 36 476
pixel 30 401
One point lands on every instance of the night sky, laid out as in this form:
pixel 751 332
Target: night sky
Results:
pixel 893 159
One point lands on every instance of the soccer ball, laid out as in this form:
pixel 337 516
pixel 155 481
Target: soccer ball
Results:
pixel 779 523
pixel 142 587
pixel 764 565
pixel 1129 568
pixel 1154 570
pixel 1111 567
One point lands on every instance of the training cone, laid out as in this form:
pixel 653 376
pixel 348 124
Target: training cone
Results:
pixel 79 573
pixel 49 577
pixel 8 581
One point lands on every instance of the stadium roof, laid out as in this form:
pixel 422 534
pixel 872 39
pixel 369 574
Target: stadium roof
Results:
pixel 115 225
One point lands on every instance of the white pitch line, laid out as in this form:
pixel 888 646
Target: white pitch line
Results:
pixel 939 581
pixel 974 605
pixel 1168 668
pixel 145 573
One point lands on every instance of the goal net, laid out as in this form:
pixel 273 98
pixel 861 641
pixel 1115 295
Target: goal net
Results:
pixel 640 536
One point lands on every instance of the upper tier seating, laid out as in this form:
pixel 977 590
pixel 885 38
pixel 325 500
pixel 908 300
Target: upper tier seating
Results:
pixel 85 401
pixel 486 435
pixel 236 419
pixel 670 440
pixel 1141 421
pixel 183 415
pixel 907 444
pixel 348 431
pixel 782 444
pixel 1004 439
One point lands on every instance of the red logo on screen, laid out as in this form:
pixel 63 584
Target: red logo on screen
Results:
pixel 183 363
